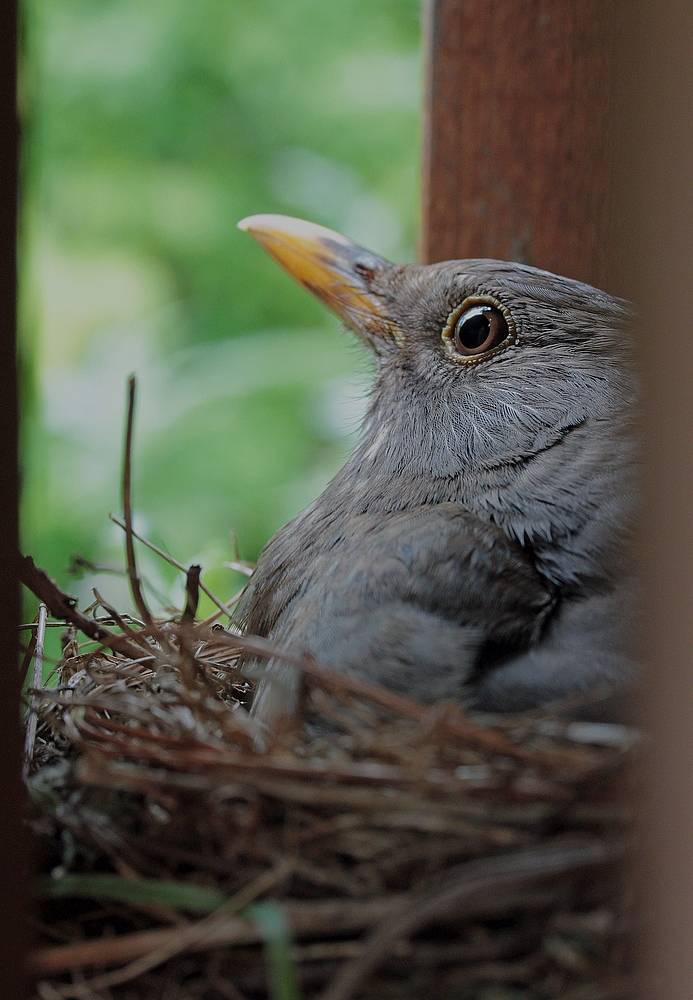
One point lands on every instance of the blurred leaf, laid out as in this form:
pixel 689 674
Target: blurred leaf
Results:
pixel 271 919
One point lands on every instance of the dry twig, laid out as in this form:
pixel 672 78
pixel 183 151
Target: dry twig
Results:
pixel 64 608
pixel 127 506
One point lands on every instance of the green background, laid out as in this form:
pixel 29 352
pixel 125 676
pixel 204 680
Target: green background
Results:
pixel 151 128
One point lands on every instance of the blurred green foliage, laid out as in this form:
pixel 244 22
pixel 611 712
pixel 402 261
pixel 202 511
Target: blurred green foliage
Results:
pixel 151 127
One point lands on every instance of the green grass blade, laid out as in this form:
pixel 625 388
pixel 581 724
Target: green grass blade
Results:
pixel 115 888
pixel 270 918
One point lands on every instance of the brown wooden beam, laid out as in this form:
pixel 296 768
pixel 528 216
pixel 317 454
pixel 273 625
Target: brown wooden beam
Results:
pixel 516 133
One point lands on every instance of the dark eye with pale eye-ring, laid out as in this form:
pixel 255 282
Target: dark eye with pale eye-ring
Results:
pixel 479 329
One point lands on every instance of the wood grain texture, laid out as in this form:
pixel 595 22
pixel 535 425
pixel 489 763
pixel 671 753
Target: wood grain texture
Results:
pixel 516 158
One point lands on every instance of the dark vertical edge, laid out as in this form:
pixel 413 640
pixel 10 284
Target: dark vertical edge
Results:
pixel 653 263
pixel 12 854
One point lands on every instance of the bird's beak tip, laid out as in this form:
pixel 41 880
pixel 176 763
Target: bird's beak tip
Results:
pixel 287 227
pixel 260 223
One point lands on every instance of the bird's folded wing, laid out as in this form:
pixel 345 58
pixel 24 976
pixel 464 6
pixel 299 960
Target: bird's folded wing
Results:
pixel 406 598
pixel 439 557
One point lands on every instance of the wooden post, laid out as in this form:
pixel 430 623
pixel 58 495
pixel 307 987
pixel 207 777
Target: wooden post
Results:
pixel 654 258
pixel 12 839
pixel 516 133
pixel 518 144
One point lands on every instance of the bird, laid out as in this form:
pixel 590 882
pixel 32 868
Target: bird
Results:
pixel 477 546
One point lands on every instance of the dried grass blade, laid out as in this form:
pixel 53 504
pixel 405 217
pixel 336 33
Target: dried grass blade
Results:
pixel 28 651
pixel 37 682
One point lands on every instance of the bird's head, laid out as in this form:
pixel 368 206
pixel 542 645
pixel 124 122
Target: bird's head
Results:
pixel 479 363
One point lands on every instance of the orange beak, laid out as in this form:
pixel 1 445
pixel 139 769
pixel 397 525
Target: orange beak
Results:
pixel 335 270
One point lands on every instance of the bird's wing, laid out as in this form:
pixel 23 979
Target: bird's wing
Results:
pixel 406 598
pixel 440 558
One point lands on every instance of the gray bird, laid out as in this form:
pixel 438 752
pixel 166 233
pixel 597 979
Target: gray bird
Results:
pixel 476 545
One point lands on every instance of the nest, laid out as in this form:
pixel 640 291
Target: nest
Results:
pixel 383 849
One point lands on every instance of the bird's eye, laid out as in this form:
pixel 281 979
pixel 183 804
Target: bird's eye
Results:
pixel 476 328
pixel 479 329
